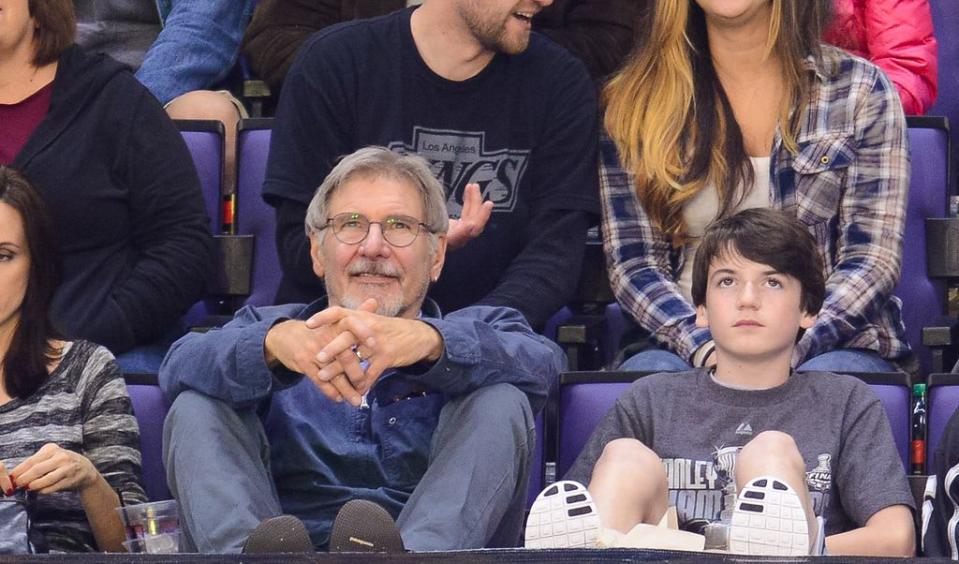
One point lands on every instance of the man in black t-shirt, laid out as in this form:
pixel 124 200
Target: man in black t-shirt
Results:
pixel 466 85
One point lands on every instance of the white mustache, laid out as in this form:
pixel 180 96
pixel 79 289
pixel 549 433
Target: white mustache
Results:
pixel 376 268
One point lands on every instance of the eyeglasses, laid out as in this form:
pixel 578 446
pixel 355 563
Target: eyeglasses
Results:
pixel 351 228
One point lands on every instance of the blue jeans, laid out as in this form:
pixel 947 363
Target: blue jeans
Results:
pixel 840 360
pixel 472 495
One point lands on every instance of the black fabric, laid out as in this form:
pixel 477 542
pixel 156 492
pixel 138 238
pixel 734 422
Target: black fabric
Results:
pixel 524 128
pixel 131 226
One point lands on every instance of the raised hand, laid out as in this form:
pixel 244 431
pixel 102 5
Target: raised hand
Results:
pixel 472 220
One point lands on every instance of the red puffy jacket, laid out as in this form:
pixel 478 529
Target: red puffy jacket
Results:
pixel 896 35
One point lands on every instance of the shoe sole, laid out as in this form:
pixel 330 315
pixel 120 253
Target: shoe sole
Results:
pixel 281 534
pixel 364 526
pixel 768 520
pixel 563 516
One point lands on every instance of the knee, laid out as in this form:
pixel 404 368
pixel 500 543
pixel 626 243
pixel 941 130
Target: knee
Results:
pixel 503 402
pixel 634 458
pixel 655 360
pixel 192 413
pixel 773 445
pixel 204 104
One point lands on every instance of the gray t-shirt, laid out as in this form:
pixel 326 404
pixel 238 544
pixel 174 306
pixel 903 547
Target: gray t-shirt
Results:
pixel 123 29
pixel 697 427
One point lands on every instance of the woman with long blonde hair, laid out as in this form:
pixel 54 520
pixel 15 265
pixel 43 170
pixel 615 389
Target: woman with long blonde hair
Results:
pixel 731 104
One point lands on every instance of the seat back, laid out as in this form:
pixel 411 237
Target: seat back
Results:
pixel 150 407
pixel 896 396
pixel 923 298
pixel 586 397
pixel 204 139
pixel 943 402
pixel 945 18
pixel 254 216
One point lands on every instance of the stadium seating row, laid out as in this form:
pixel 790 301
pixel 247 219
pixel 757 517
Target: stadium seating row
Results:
pixel 923 295
pixel 581 401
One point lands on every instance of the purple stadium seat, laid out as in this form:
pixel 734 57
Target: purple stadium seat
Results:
pixel 204 139
pixel 945 17
pixel 150 407
pixel 616 324
pixel 943 402
pixel 254 216
pixel 924 299
pixel 586 397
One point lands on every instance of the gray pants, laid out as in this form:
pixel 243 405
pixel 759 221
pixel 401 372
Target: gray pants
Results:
pixel 472 495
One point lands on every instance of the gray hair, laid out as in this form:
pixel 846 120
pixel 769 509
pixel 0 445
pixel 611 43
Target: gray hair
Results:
pixel 381 162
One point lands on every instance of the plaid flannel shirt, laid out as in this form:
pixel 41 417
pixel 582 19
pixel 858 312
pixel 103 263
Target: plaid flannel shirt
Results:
pixel 848 183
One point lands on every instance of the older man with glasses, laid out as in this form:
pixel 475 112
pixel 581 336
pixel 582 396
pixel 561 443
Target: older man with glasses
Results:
pixel 368 394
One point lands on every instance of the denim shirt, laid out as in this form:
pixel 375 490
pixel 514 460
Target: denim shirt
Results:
pixel 848 183
pixel 197 46
pixel 325 453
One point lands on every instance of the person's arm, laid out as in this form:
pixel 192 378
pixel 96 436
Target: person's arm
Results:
pixel 900 39
pixel 229 363
pixel 470 348
pixel 109 461
pixel 169 230
pixel 483 346
pixel 639 265
pixel 196 48
pixel 279 27
pixel 542 277
pixel 870 481
pixel 871 221
pixel 889 532
pixel 599 32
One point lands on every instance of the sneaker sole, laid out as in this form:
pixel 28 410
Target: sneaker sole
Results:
pixel 768 520
pixel 364 526
pixel 563 516
pixel 281 534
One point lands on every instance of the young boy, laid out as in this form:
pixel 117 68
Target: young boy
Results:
pixel 747 442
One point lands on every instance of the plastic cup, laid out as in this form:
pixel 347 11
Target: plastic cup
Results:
pixel 150 519
pixel 166 543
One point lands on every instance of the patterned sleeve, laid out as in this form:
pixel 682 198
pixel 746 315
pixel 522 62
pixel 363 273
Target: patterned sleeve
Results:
pixel 638 262
pixel 111 437
pixel 871 222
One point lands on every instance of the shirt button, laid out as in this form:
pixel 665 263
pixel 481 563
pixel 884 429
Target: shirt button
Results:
pixel 824 160
pixel 392 420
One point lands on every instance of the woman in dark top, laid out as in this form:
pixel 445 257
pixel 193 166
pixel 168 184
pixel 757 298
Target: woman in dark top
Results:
pixel 69 438
pixel 124 194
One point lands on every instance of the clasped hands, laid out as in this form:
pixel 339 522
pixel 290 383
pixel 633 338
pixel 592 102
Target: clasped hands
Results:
pixel 51 469
pixel 344 351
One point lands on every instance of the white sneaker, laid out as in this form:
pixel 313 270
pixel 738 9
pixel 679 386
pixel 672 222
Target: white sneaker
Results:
pixel 563 516
pixel 769 520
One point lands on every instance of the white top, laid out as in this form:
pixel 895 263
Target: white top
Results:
pixel 702 209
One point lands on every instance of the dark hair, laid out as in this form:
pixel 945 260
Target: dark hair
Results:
pixel 769 237
pixel 25 364
pixel 56 28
